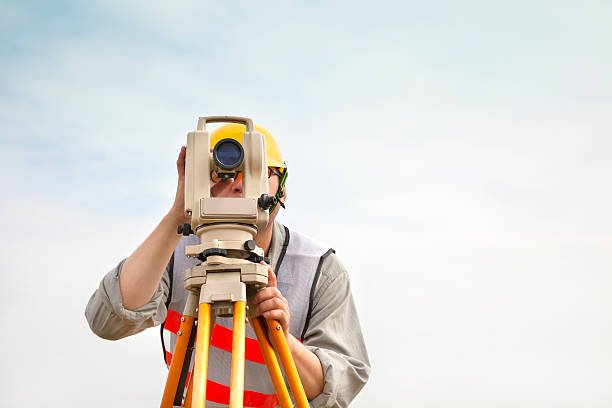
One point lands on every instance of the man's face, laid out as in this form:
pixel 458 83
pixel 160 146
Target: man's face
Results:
pixel 233 187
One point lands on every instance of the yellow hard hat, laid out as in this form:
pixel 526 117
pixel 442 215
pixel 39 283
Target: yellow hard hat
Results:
pixel 236 131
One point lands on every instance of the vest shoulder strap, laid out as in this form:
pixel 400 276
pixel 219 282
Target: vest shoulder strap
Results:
pixel 297 277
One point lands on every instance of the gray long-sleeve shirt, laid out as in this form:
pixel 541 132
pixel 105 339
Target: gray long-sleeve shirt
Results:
pixel 333 333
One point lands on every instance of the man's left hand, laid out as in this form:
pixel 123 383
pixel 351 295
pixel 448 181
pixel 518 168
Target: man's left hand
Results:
pixel 270 303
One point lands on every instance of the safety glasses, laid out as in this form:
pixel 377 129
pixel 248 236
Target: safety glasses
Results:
pixel 237 175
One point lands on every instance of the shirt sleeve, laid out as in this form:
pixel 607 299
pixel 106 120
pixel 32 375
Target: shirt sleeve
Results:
pixel 334 336
pixel 108 318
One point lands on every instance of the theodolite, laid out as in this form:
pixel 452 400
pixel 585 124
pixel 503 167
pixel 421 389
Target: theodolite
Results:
pixel 231 270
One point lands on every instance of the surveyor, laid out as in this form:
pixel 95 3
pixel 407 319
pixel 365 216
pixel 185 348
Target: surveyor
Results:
pixel 308 293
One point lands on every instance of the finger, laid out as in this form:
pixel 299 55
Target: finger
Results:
pixel 278 315
pixel 267 293
pixel 271 276
pixel 271 304
pixel 180 162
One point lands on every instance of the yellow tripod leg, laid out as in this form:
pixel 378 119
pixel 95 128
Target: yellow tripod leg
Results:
pixel 178 358
pixel 271 363
pixel 277 337
pixel 238 351
pixel 189 396
pixel 200 368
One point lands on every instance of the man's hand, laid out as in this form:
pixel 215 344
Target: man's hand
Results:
pixel 142 271
pixel 178 208
pixel 270 303
pixel 222 188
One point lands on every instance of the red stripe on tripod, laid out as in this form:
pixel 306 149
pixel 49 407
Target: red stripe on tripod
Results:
pixel 173 321
pixel 220 394
pixel 222 338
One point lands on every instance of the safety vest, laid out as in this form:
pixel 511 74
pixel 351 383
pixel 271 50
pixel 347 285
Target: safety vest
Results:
pixel 297 271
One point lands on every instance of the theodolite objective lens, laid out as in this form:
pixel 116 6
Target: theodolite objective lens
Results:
pixel 228 154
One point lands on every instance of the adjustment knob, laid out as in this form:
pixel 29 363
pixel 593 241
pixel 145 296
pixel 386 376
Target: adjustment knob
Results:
pixel 184 229
pixel 250 245
pixel 265 201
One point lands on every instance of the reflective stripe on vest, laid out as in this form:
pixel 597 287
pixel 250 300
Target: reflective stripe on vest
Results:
pixel 296 276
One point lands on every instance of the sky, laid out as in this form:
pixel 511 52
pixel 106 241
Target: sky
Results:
pixel 454 154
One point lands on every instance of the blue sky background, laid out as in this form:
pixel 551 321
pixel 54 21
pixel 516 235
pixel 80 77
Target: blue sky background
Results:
pixel 456 155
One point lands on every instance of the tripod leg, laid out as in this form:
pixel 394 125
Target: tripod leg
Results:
pixel 189 395
pixel 200 369
pixel 178 359
pixel 238 351
pixel 280 345
pixel 271 363
pixel 173 391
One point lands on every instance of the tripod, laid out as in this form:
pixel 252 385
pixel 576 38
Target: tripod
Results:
pixel 219 287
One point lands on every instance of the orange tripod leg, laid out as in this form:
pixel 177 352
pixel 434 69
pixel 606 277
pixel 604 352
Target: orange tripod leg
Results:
pixel 271 363
pixel 238 351
pixel 277 337
pixel 200 368
pixel 189 395
pixel 178 358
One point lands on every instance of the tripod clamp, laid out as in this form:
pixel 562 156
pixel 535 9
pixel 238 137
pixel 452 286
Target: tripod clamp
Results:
pixel 247 255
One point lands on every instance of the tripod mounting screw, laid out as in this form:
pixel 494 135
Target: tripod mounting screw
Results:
pixel 250 245
pixel 184 229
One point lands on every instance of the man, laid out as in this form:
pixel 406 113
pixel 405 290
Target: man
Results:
pixel 311 298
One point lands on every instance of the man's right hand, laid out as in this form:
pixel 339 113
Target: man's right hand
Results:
pixel 142 271
pixel 178 208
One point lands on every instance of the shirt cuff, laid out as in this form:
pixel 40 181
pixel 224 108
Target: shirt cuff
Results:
pixel 328 397
pixel 114 301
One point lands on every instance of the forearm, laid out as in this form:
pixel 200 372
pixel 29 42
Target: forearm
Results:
pixel 308 366
pixel 142 271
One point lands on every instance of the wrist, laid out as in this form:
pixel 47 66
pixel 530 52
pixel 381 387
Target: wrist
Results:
pixel 172 221
pixel 292 343
pixel 174 218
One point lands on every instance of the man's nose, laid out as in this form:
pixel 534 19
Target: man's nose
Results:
pixel 231 187
pixel 236 187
